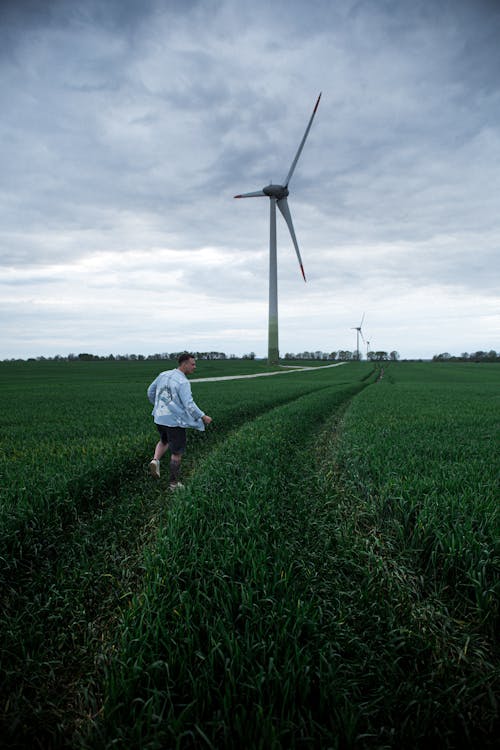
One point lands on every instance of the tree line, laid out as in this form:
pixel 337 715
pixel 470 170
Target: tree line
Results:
pixel 491 356
pixel 86 357
pixel 342 355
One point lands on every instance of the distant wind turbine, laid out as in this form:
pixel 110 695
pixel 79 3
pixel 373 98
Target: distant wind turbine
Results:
pixel 278 197
pixel 359 333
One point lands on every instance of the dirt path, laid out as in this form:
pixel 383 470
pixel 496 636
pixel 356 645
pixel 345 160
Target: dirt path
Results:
pixel 292 368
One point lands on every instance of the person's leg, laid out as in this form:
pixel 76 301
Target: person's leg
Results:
pixel 175 467
pixel 177 443
pixel 160 450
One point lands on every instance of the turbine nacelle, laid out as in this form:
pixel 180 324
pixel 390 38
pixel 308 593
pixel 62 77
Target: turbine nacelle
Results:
pixel 276 191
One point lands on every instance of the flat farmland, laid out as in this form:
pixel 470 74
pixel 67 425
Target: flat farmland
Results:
pixel 329 577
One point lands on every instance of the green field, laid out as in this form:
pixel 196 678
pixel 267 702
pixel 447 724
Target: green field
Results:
pixel 329 577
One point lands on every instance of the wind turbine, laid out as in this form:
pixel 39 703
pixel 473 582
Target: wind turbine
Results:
pixel 278 197
pixel 359 333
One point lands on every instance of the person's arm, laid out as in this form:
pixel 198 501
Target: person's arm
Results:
pixel 186 398
pixel 152 392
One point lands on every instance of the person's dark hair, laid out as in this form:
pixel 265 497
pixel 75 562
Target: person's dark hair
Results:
pixel 184 357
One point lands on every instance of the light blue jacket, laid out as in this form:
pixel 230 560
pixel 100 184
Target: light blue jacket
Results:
pixel 173 405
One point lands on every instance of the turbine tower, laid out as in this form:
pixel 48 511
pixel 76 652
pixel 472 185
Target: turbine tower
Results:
pixel 278 197
pixel 359 333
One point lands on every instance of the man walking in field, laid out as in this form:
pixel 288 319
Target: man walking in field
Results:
pixel 174 410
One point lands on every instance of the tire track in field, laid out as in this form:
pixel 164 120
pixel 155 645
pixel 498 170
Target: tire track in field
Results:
pixel 224 514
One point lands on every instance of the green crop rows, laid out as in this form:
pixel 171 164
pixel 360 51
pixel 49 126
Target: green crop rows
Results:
pixel 329 578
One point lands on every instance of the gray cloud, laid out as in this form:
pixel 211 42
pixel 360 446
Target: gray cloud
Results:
pixel 127 128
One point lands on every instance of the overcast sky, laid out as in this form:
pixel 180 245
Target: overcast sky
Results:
pixel 128 127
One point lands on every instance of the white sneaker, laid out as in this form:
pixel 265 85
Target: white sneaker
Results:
pixel 154 468
pixel 173 486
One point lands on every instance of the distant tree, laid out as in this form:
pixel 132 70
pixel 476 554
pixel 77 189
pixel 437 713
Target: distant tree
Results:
pixel 394 356
pixel 478 356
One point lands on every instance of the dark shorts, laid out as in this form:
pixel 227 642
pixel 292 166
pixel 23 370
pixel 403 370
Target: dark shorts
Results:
pixel 174 436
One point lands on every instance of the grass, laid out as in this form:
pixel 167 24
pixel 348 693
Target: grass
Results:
pixel 329 578
pixel 431 477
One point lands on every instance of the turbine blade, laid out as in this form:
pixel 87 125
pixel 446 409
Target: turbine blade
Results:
pixel 285 211
pixel 362 321
pixel 294 162
pixel 256 194
pixel 361 333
